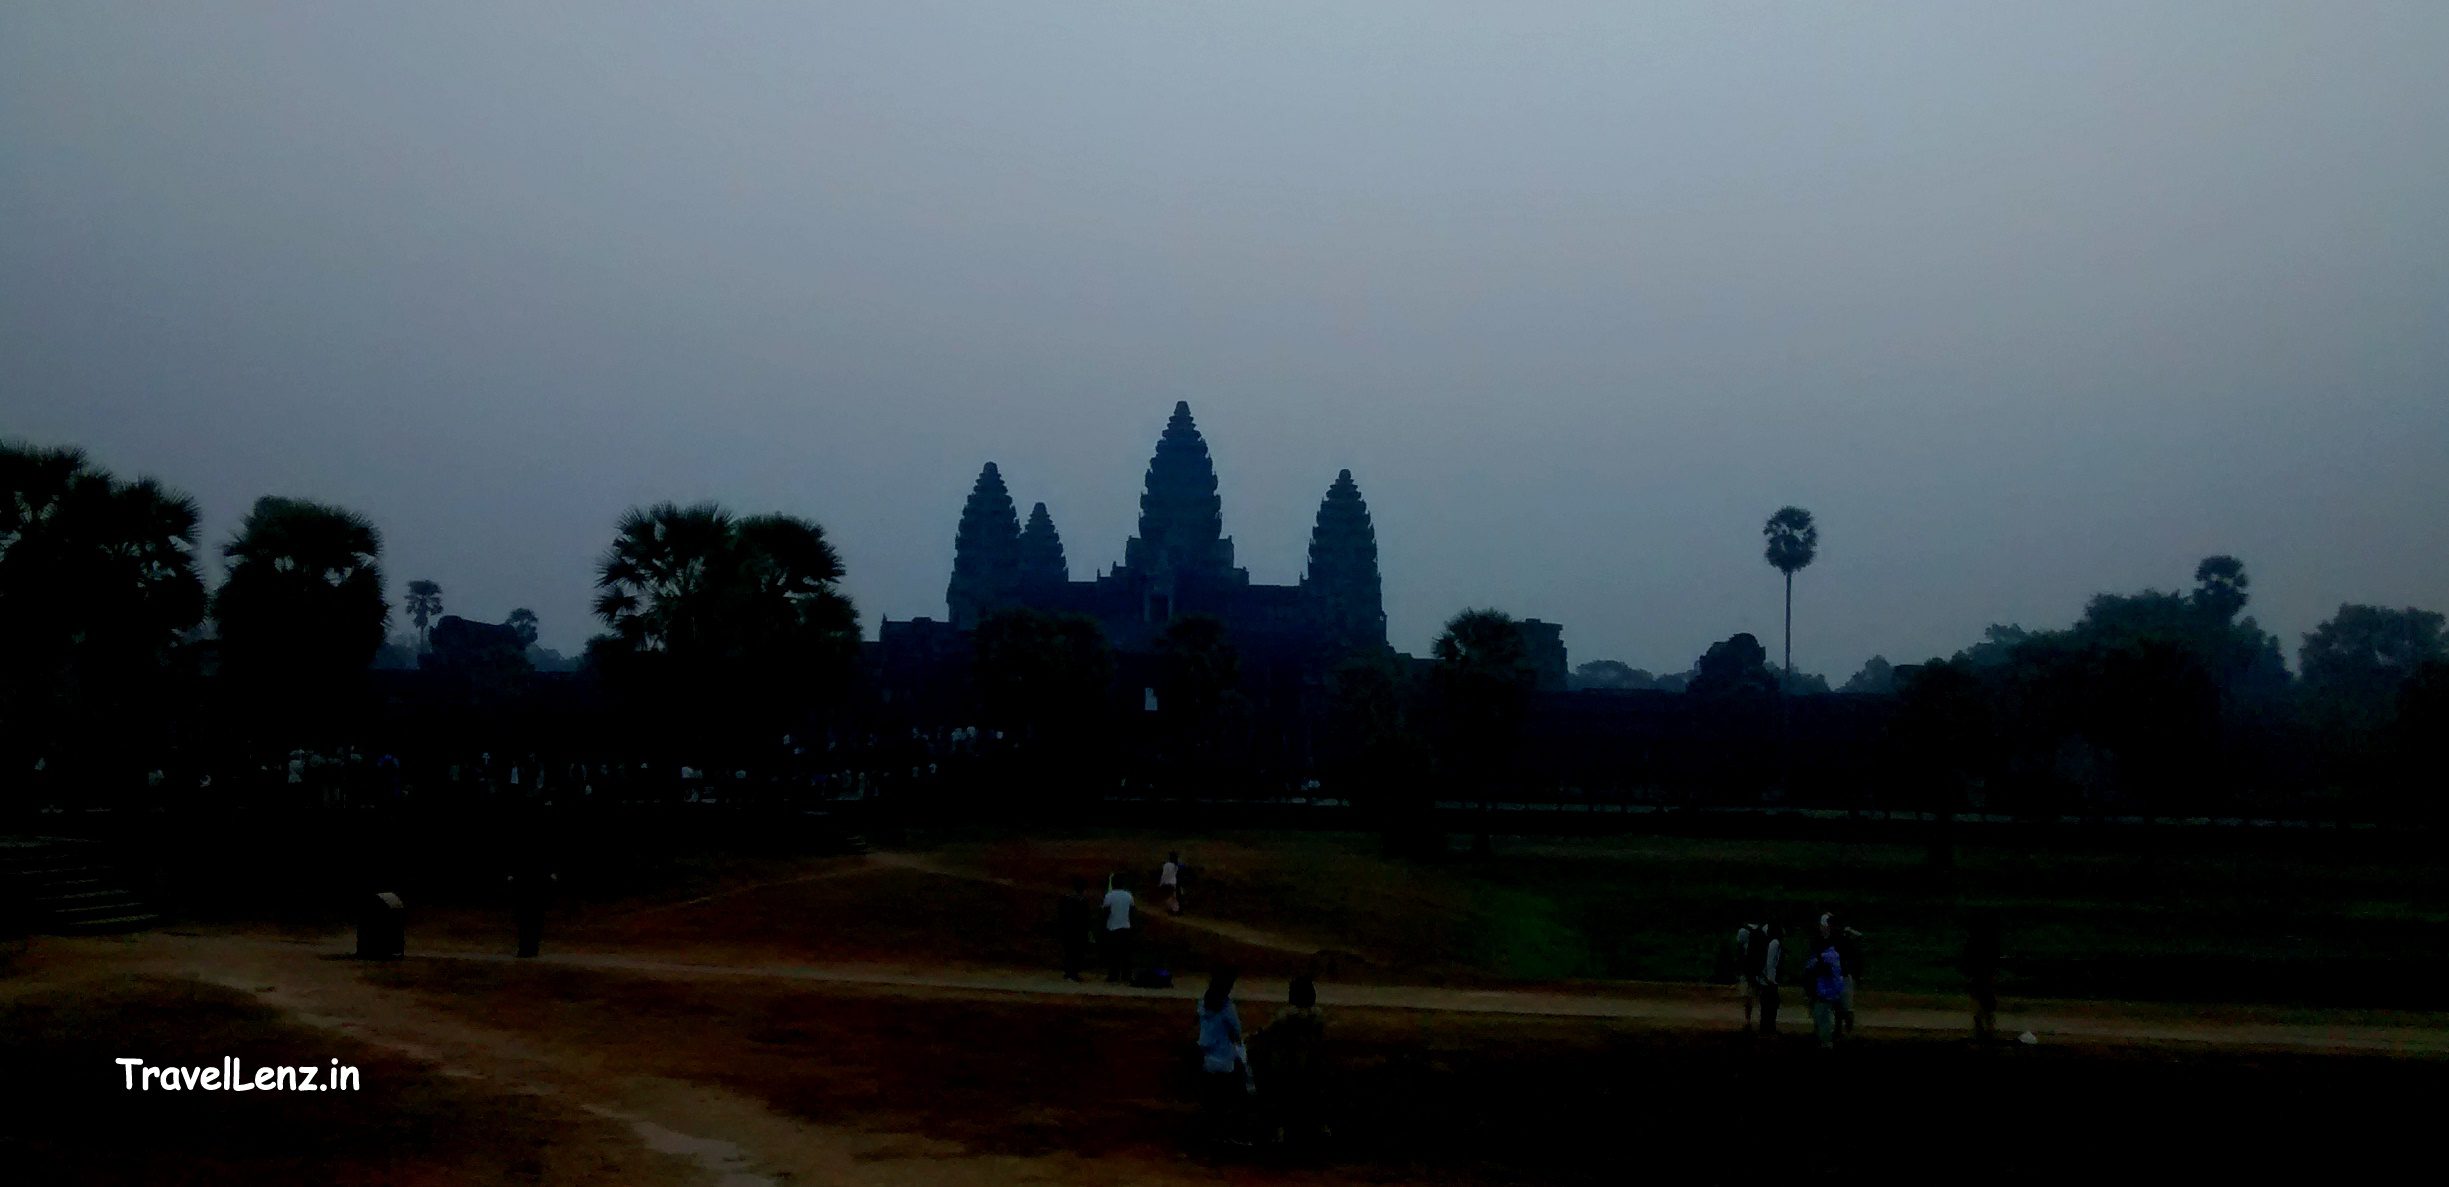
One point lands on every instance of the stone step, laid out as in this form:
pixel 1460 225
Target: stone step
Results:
pixel 114 925
pixel 115 906
pixel 70 888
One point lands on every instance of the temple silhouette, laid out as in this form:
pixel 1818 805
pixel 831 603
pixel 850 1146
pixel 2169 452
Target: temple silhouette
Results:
pixel 1179 564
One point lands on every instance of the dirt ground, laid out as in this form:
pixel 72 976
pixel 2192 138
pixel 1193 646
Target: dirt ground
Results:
pixel 891 1020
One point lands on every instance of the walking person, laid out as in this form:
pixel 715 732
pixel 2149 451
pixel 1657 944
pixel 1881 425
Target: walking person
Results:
pixel 1118 936
pixel 1824 984
pixel 1075 921
pixel 1292 1054
pixel 1764 975
pixel 1169 883
pixel 1982 945
pixel 1224 1062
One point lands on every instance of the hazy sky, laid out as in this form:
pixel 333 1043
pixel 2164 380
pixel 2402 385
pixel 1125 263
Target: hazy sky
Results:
pixel 2024 301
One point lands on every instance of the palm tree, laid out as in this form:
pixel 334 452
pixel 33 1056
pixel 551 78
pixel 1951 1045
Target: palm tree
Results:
pixel 738 625
pixel 1793 541
pixel 662 557
pixel 301 613
pixel 98 588
pixel 422 605
pixel 523 620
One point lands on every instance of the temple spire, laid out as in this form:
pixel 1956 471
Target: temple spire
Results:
pixel 1181 519
pixel 1343 570
pixel 1041 551
pixel 985 551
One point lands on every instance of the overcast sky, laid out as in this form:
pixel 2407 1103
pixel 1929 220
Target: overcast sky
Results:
pixel 2025 302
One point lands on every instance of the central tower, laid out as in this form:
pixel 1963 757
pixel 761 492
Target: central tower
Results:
pixel 1181 519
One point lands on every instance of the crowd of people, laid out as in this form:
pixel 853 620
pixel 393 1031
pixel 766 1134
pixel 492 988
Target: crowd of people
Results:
pixel 1831 972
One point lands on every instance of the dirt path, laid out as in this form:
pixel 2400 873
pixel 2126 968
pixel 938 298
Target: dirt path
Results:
pixel 1670 1006
pixel 722 1137
pixel 1239 933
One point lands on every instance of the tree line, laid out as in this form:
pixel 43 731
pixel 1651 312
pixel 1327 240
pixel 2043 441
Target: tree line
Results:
pixel 723 632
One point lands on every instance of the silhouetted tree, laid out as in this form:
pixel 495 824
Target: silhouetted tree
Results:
pixel 98 590
pixel 301 612
pixel 1199 704
pixel 735 628
pixel 1483 681
pixel 1877 677
pixel 1046 682
pixel 1942 737
pixel 2359 658
pixel 1793 540
pixel 423 605
pixel 2360 669
pixel 522 622
pixel 2219 586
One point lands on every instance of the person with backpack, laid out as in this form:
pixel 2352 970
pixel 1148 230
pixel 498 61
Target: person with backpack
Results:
pixel 1824 984
pixel 1116 940
pixel 1291 1052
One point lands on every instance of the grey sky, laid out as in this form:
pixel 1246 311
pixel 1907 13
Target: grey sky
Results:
pixel 2024 301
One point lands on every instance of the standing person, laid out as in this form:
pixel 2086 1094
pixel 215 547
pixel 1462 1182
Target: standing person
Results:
pixel 1746 963
pixel 1224 1068
pixel 1849 953
pixel 1169 883
pixel 1292 1051
pixel 1982 945
pixel 1764 975
pixel 1074 918
pixel 531 891
pixel 1824 984
pixel 1117 938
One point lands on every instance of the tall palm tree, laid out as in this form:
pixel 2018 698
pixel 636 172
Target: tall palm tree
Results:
pixel 301 613
pixel 731 627
pixel 1793 541
pixel 662 558
pixel 422 605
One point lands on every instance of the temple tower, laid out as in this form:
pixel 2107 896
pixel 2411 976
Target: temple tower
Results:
pixel 1181 519
pixel 1343 569
pixel 1041 552
pixel 985 552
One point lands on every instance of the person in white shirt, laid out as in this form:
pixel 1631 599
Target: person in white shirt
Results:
pixel 1765 977
pixel 1117 938
pixel 1169 883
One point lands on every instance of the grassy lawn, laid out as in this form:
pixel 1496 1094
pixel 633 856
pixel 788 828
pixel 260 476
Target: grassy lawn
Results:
pixel 2239 926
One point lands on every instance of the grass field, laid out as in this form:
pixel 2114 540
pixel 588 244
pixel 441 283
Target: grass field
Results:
pixel 2239 926
pixel 892 1019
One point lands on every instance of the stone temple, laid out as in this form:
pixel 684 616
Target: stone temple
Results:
pixel 1180 563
